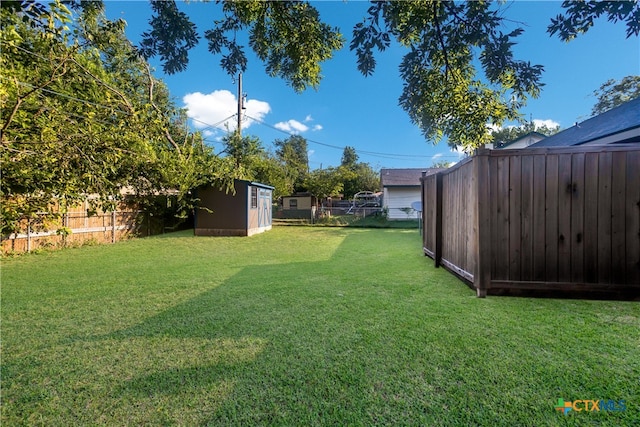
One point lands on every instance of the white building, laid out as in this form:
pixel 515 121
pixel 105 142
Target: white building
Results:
pixel 400 189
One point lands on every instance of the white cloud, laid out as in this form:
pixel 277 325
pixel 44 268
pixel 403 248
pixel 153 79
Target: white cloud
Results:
pixel 213 108
pixel 459 150
pixel 548 123
pixel 310 153
pixel 493 127
pixel 537 123
pixel 436 156
pixel 292 126
pixel 296 127
pixel 256 109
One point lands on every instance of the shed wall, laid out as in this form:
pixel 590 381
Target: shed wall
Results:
pixel 303 202
pixel 229 212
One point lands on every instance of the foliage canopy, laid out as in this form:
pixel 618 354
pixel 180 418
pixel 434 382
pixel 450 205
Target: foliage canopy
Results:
pixel 82 115
pixel 613 93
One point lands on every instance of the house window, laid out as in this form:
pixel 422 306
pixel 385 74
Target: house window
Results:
pixel 254 197
pixel 293 203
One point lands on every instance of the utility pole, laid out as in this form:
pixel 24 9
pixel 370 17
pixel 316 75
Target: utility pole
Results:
pixel 240 105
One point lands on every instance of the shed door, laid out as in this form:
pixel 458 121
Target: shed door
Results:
pixel 264 207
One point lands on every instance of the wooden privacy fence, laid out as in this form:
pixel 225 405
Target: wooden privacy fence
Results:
pixel 548 219
pixel 75 227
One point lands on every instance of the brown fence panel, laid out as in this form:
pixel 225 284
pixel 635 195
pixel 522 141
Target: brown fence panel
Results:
pixel 541 219
pixel 632 218
pixel 429 207
pixel 75 227
pixel 591 183
pixel 459 213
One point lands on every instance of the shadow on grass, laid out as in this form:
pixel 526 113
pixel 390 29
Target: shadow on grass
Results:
pixel 311 334
pixel 174 381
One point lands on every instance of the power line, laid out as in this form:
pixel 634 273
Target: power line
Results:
pixel 216 125
pixel 64 95
pixel 365 152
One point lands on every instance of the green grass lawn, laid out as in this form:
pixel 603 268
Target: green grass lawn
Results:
pixel 297 326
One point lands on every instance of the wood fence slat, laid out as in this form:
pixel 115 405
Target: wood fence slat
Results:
pixel 431 199
pixel 471 207
pixel 482 275
pixel 526 232
pixel 551 232
pixel 463 215
pixel 565 194
pixel 539 217
pixel 591 218
pixel 438 240
pixel 454 227
pixel 494 212
pixel 462 210
pixel 501 255
pixel 632 268
pixel 459 230
pixel 515 204
pixel 618 215
pixel 577 217
pixel 460 215
pixel 446 216
pixel 604 217
pixel 472 188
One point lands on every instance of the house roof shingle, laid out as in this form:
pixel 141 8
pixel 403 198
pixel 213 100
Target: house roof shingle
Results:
pixel 621 119
pixel 403 177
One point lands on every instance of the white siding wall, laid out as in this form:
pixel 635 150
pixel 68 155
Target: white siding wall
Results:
pixel 396 198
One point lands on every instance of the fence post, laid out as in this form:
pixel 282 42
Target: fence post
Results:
pixel 437 252
pixel 113 226
pixel 423 204
pixel 482 276
pixel 65 224
pixel 28 234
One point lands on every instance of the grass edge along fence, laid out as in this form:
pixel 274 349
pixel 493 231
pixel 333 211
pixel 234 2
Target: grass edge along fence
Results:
pixel 542 220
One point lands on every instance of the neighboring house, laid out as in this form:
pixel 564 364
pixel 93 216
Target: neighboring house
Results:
pixel 299 205
pixel 522 142
pixel 245 212
pixel 401 188
pixel 619 125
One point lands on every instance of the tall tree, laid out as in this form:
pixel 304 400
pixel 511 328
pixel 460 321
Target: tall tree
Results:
pixel 82 114
pixel 441 164
pixel 445 91
pixel 360 177
pixel 579 17
pixel 293 153
pixel 613 93
pixel 288 36
pixel 251 161
pixel 349 157
pixel 241 148
pixel 266 168
pixel 324 183
pixel 357 176
pixel 507 134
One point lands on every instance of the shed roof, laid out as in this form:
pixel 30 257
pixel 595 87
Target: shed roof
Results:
pixel 615 122
pixel 403 177
pixel 257 184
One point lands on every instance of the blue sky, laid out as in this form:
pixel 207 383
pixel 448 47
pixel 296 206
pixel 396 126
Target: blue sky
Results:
pixel 351 110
